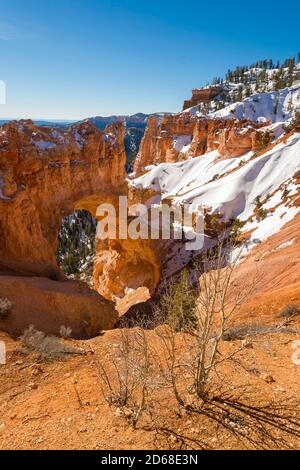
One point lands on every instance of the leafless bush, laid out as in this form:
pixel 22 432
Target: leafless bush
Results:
pixel 65 331
pixel 46 347
pixel 129 378
pixel 240 332
pixel 5 308
pixel 289 311
pixel 216 302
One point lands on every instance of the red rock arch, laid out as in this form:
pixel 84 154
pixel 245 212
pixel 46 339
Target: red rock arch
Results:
pixel 45 174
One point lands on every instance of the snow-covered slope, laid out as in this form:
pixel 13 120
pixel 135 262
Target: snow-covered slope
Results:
pixel 275 106
pixel 232 187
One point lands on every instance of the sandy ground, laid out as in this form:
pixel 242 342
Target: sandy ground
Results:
pixel 59 405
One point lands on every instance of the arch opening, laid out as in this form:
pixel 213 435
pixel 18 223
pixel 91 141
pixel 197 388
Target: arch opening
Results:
pixel 76 246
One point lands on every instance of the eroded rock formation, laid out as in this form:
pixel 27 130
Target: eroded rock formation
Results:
pixel 180 136
pixel 202 95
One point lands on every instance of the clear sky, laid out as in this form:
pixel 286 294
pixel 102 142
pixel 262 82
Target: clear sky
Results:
pixel 70 59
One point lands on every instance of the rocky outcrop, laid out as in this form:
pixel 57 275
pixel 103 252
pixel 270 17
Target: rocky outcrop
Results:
pixel 180 136
pixel 45 174
pixel 123 266
pixel 202 95
pixel 158 145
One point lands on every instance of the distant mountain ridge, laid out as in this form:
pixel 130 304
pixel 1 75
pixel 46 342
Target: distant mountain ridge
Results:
pixel 43 123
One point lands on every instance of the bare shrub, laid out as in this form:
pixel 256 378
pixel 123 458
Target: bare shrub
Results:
pixel 202 314
pixel 46 347
pixel 65 331
pixel 213 307
pixel 289 311
pixel 129 378
pixel 259 211
pixel 240 332
pixel 5 308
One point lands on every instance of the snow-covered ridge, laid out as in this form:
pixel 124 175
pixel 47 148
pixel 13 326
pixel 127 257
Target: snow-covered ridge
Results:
pixel 274 106
pixel 260 92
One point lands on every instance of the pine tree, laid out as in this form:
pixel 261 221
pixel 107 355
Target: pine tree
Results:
pixel 276 106
pixel 290 105
pixel 291 65
pixel 240 94
pixel 179 304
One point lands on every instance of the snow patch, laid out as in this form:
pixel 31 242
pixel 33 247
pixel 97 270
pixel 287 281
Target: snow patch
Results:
pixel 44 145
pixel 274 106
pixel 181 141
pixel 4 198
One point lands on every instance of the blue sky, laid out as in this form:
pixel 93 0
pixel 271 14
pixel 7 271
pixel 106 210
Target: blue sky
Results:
pixel 72 59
